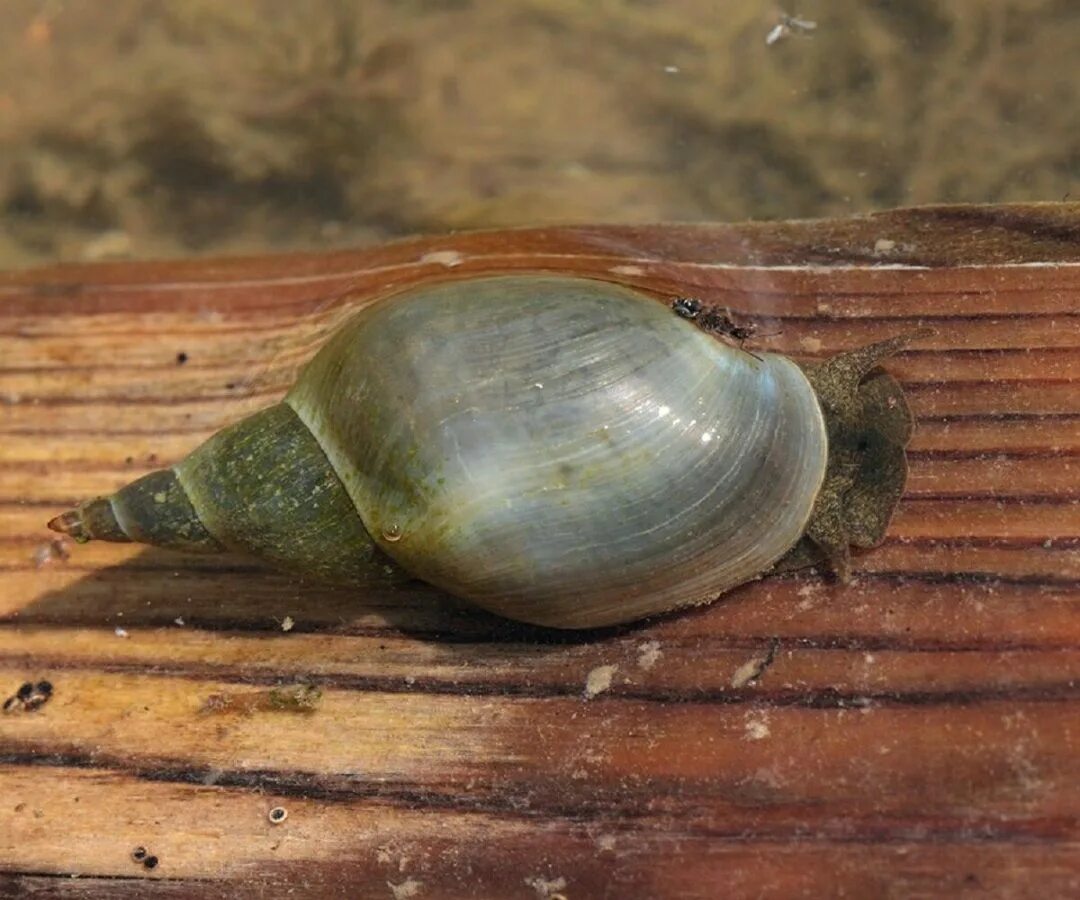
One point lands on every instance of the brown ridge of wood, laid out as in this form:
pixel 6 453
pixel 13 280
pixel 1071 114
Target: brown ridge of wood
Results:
pixel 913 732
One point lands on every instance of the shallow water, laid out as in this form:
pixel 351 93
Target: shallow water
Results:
pixel 137 129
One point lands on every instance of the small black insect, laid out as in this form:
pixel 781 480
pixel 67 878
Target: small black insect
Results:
pixel 713 320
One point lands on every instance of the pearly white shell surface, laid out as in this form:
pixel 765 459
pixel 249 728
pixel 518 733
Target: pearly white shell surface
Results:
pixel 564 451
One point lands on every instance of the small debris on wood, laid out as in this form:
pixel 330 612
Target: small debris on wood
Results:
pixel 287 623
pixel 649 654
pixel 295 698
pixel 39 696
pixel 751 670
pixel 410 887
pixel 756 727
pixel 120 632
pixel 51 551
pixel 598 680
pixel 277 815
pixel 885 248
pixel 141 855
pixel 547 888
pixel 181 358
pixel 300 698
pixel 29 697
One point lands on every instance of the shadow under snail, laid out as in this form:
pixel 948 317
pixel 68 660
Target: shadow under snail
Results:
pixel 561 451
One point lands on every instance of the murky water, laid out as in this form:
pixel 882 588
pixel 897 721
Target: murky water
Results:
pixel 135 129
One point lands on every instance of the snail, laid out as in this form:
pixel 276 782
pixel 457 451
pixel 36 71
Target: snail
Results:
pixel 559 450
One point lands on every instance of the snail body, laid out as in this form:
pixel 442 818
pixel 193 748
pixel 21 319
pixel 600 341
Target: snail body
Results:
pixel 561 451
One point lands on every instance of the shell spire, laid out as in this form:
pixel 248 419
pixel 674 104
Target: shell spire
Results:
pixel 262 486
pixel 154 509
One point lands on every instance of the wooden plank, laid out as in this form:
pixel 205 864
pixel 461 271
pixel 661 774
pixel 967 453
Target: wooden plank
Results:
pixel 214 840
pixel 911 733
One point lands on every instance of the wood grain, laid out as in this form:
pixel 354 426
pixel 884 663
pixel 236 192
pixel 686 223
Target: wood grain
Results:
pixel 913 734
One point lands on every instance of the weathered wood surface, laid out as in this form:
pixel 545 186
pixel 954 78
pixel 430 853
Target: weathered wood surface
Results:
pixel 916 733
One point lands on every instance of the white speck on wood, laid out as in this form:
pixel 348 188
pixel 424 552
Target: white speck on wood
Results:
pixel 757 727
pixel 410 887
pixel 649 654
pixel 809 593
pixel 599 680
pixel 546 889
pixel 748 671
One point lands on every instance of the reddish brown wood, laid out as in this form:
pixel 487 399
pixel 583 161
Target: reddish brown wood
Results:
pixel 914 733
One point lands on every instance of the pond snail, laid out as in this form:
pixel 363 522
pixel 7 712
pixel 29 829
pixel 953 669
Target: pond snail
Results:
pixel 561 451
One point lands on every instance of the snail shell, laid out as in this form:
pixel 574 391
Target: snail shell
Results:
pixel 558 450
